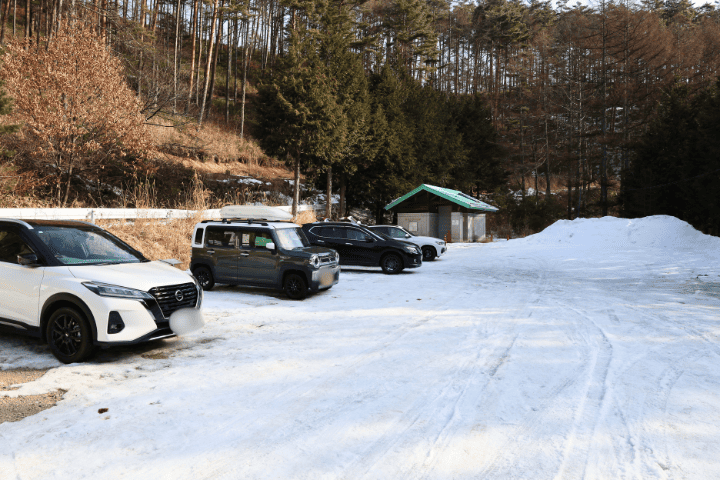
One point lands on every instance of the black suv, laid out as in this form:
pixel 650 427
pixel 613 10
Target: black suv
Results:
pixel 359 246
pixel 263 254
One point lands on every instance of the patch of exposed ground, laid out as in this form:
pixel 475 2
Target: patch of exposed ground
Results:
pixel 16 408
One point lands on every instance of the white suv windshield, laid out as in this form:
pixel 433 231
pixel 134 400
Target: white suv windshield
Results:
pixel 80 246
pixel 399 232
pixel 291 238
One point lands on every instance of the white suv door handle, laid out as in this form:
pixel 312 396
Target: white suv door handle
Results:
pixel 244 254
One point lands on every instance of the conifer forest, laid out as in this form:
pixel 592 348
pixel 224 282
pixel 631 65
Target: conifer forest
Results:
pixel 548 110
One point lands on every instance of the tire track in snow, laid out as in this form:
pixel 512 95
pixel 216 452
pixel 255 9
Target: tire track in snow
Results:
pixel 464 386
pixel 467 399
pixel 655 404
pixel 588 413
pixel 302 395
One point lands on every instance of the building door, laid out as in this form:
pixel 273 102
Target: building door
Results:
pixel 444 220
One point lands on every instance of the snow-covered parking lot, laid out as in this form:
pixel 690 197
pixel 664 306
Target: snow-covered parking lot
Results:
pixel 590 350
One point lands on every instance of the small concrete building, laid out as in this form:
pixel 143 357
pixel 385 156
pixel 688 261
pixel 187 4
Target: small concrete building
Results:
pixel 434 211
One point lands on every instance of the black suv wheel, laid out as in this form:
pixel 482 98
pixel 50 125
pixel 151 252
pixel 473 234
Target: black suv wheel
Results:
pixel 69 336
pixel 295 286
pixel 204 277
pixel 391 264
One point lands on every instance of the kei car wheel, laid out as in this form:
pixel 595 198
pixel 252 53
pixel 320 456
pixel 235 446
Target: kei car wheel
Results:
pixel 391 264
pixel 428 254
pixel 204 277
pixel 295 286
pixel 69 336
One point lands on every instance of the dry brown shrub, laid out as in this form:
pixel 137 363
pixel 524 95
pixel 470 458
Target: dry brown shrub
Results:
pixel 76 109
pixel 307 216
pixel 157 239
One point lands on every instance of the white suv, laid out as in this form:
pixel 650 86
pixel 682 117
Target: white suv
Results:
pixel 78 287
pixel 431 247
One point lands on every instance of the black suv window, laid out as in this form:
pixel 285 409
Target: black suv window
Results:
pixel 219 237
pixel 329 232
pixel 355 234
pixel 12 245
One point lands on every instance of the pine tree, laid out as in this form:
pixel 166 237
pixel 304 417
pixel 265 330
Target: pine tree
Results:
pixel 300 119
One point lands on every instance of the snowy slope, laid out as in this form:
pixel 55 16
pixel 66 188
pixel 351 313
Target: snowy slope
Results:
pixel 588 351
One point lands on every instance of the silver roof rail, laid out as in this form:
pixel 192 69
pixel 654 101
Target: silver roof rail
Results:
pixel 15 220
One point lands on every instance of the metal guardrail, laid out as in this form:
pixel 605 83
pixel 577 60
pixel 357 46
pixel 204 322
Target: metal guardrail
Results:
pixel 92 214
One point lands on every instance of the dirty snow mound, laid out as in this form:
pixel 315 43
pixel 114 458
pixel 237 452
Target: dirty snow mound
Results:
pixel 659 231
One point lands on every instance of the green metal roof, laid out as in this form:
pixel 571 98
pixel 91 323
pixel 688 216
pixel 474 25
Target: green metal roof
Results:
pixel 453 195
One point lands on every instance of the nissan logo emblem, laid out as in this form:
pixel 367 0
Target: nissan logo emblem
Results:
pixel 179 296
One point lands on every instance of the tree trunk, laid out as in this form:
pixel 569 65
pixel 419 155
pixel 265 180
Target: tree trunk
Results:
pixel 227 77
pixel 342 195
pixel 175 62
pixel 192 64
pixel 209 63
pixel 67 188
pixel 296 187
pixel 244 81
pixel 328 200
pixel 5 11
pixel 215 60
pixel 27 18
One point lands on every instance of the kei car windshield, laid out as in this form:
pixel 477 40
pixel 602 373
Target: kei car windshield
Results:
pixel 291 238
pixel 86 246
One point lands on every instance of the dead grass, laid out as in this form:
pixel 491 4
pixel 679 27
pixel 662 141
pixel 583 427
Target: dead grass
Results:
pixel 308 216
pixel 164 239
pixel 215 148
pixel 157 239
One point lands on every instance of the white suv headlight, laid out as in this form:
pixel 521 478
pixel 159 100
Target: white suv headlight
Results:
pixel 440 242
pixel 105 290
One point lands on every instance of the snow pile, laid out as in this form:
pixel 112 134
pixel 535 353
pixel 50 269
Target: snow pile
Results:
pixel 660 231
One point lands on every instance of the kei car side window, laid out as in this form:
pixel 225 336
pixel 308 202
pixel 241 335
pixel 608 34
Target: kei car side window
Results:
pixel 199 235
pixel 218 237
pixel 12 245
pixel 262 239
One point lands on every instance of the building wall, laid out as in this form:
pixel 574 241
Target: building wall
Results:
pixel 462 226
pixel 479 227
pixel 419 223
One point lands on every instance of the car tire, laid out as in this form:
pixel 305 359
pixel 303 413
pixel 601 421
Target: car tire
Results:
pixel 204 277
pixel 295 286
pixel 69 335
pixel 391 264
pixel 428 254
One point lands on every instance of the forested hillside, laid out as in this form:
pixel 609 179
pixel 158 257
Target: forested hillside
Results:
pixel 548 111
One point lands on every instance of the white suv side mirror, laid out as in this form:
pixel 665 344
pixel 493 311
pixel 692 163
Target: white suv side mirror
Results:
pixel 270 246
pixel 28 260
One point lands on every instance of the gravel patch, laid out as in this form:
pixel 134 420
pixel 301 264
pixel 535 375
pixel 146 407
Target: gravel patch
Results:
pixel 17 408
